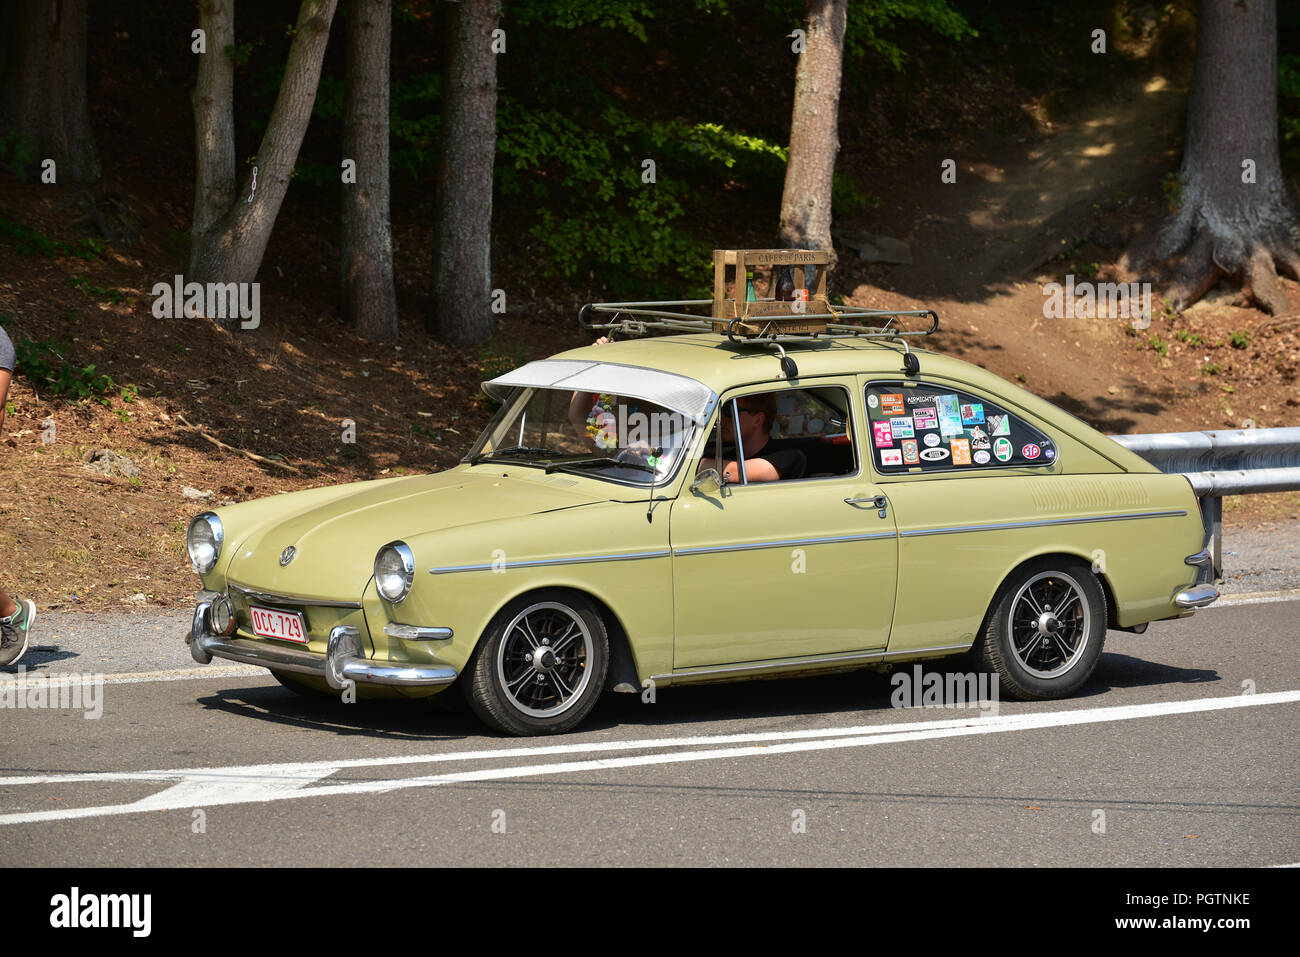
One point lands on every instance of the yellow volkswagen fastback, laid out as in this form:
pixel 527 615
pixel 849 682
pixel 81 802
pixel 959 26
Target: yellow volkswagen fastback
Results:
pixel 703 507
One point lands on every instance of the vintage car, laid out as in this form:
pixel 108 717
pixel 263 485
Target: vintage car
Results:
pixel 704 507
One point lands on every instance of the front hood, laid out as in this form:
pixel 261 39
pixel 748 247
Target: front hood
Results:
pixel 336 541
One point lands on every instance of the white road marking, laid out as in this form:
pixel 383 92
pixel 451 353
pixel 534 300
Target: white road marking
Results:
pixel 1255 598
pixel 57 679
pixel 199 787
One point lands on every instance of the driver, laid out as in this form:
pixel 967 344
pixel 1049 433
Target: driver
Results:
pixel 765 461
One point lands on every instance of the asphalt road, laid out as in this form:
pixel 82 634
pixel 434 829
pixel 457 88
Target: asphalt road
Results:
pixel 1180 751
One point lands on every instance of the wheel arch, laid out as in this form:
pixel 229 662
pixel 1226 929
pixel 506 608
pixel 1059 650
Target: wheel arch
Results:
pixel 1073 557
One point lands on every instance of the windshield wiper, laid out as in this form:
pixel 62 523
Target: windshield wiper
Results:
pixel 521 450
pixel 603 460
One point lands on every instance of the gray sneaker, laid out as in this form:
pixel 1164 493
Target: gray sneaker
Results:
pixel 14 629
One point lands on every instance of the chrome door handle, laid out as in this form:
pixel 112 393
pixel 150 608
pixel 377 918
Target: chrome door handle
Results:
pixel 877 501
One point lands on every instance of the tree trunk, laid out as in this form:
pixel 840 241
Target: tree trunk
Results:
pixel 232 250
pixel 214 123
pixel 368 297
pixel 1225 224
pixel 44 85
pixel 814 130
pixel 462 266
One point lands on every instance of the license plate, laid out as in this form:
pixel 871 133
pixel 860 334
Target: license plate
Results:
pixel 284 625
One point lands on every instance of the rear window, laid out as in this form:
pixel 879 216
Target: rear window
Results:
pixel 926 428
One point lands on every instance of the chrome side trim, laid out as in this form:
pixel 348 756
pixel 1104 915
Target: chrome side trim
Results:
pixel 785 542
pixel 1197 597
pixel 416 632
pixel 917 533
pixel 279 599
pixel 630 556
pixel 804 662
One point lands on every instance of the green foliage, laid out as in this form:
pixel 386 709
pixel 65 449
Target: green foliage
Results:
pixel 1211 368
pixel 1191 338
pixel 99 293
pixel 1239 340
pixel 32 242
pixel 873 27
pixel 1157 343
pixel 1288 107
pixel 16 154
pixel 42 363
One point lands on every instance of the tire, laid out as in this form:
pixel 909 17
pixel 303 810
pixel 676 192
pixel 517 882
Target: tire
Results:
pixel 1037 655
pixel 299 687
pixel 515 691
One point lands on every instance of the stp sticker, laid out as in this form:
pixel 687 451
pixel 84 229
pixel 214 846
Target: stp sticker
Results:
pixel 872 400
pixel 909 452
pixel 931 439
pixel 891 457
pixel 1003 449
pixel 1030 451
pixel 884 438
pixel 891 403
pixel 934 455
pixel 981 457
pixel 960 452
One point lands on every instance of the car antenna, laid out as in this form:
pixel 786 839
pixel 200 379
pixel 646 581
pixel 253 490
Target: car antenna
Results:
pixel 650 502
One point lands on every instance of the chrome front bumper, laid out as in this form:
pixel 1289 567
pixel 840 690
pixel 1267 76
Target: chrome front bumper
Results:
pixel 344 660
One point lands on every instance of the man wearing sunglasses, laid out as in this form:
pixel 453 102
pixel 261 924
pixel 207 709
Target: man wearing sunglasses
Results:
pixel 765 459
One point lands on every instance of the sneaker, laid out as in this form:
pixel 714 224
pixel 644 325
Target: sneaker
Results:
pixel 13 631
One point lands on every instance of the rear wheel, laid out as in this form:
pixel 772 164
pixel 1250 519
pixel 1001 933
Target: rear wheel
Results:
pixel 1044 633
pixel 540 665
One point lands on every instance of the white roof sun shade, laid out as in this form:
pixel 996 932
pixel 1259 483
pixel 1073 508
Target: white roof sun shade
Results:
pixel 677 393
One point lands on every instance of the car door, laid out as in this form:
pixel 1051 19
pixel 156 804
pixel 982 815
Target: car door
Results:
pixel 783 569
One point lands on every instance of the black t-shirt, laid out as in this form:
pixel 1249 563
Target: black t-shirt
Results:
pixel 789 462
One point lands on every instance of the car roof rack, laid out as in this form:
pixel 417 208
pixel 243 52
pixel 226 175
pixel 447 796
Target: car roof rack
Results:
pixel 767 321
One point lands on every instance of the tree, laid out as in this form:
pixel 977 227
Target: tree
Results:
pixel 230 249
pixel 214 123
pixel 814 129
pixel 368 298
pixel 461 308
pixel 43 79
pixel 1235 216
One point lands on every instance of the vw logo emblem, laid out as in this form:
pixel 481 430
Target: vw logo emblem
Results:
pixel 286 556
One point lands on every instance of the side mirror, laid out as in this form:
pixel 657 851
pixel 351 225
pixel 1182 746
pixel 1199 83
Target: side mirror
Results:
pixel 709 480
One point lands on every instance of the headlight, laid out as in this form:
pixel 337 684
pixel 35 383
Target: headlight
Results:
pixel 204 542
pixel 394 571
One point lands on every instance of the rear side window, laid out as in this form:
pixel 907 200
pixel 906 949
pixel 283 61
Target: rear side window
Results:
pixel 925 428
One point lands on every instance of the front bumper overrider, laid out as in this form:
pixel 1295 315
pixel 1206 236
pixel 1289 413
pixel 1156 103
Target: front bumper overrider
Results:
pixel 344 661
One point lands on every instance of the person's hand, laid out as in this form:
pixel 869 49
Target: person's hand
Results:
pixel 602 341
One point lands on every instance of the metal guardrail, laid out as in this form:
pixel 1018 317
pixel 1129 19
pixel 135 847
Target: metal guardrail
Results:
pixel 1219 463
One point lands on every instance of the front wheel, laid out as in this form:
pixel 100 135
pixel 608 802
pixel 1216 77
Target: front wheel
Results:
pixel 1044 633
pixel 540 665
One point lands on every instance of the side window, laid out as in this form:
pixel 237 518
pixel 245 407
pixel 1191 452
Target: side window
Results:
pixel 797 433
pixel 925 428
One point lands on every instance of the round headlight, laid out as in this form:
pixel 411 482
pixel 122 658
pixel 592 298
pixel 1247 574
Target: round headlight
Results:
pixel 222 615
pixel 204 542
pixel 394 571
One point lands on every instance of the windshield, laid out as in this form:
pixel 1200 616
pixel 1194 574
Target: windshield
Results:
pixel 607 436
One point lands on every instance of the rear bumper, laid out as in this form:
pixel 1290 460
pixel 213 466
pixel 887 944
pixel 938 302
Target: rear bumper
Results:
pixel 1198 596
pixel 344 661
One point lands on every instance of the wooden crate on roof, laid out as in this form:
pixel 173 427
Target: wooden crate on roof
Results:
pixel 768 315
